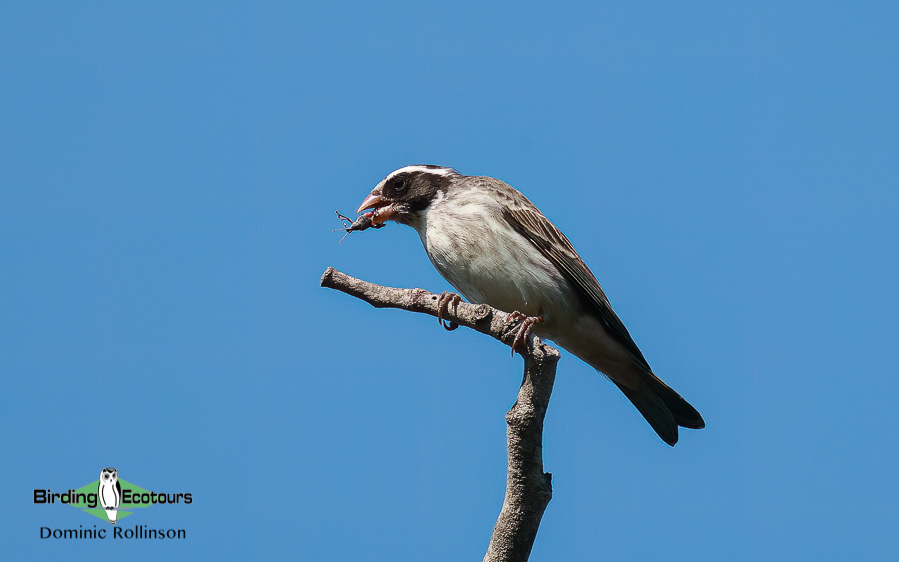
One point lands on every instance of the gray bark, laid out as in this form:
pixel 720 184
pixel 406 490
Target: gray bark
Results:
pixel 528 488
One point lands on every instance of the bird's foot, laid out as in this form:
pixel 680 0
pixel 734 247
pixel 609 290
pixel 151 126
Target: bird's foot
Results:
pixel 527 324
pixel 443 302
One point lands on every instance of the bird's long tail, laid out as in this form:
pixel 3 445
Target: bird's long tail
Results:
pixel 662 407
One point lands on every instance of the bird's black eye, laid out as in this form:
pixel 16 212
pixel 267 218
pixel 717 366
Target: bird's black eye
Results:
pixel 399 184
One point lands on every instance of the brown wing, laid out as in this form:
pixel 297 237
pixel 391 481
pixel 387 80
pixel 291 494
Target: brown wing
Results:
pixel 556 248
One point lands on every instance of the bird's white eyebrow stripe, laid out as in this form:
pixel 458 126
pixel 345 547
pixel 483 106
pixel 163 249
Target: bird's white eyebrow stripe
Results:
pixel 425 169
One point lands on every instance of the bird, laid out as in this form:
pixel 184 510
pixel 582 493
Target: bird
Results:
pixel 495 247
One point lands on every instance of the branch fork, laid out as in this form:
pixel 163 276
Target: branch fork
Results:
pixel 528 488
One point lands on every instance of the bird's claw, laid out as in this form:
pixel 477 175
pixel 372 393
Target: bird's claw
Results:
pixel 524 330
pixel 443 302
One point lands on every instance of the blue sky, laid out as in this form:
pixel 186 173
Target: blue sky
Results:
pixel 169 175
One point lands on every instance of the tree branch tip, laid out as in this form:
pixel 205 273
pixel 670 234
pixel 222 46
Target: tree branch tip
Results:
pixel 327 277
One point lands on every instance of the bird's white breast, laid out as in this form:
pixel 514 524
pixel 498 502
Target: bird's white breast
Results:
pixel 485 259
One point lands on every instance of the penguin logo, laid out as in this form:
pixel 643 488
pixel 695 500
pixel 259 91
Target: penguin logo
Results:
pixel 110 492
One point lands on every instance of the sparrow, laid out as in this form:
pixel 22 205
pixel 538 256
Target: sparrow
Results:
pixel 495 247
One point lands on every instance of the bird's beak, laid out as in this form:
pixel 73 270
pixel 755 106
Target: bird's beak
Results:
pixel 383 208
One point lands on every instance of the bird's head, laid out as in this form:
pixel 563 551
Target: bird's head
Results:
pixel 406 192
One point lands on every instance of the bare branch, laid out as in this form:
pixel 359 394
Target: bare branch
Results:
pixel 528 488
